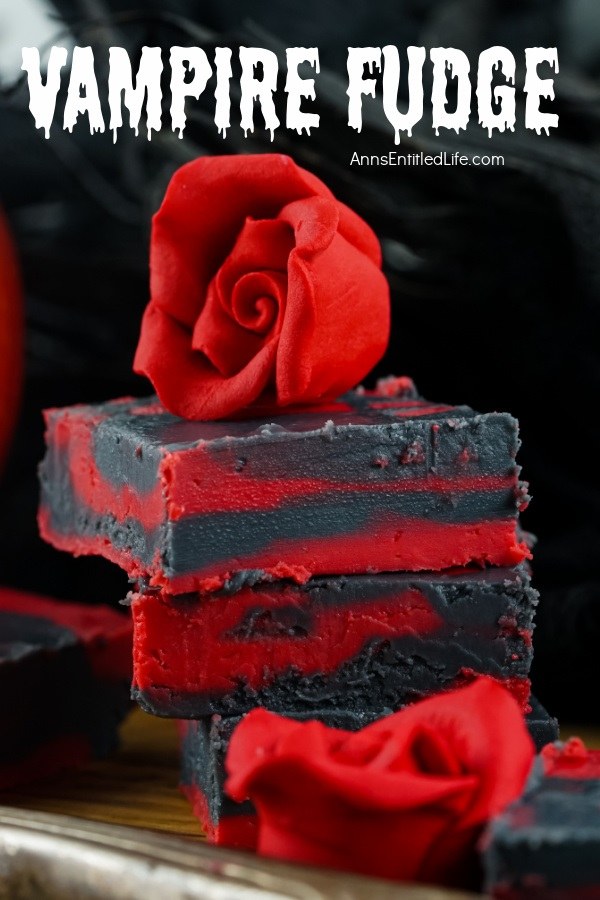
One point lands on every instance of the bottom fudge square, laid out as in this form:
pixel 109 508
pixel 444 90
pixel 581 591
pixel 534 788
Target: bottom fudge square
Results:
pixel 65 672
pixel 204 746
pixel 362 641
pixel 547 844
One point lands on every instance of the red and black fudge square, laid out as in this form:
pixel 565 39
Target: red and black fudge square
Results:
pixel 378 481
pixel 547 844
pixel 65 672
pixel 361 641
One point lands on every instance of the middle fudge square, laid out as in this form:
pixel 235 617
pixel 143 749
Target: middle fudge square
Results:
pixel 381 481
pixel 351 642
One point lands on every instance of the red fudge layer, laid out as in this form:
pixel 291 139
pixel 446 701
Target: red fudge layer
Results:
pixel 373 483
pixel 239 832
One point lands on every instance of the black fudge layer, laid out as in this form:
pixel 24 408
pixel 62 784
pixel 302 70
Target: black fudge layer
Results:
pixel 543 727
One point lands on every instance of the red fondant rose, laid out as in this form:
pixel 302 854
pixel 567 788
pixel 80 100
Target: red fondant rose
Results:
pixel 404 798
pixel 263 287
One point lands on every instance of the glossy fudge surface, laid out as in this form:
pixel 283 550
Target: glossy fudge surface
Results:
pixel 379 481
pixel 64 684
pixel 547 844
pixel 349 641
pixel 204 746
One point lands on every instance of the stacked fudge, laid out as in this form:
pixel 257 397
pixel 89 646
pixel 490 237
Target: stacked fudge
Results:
pixel 336 563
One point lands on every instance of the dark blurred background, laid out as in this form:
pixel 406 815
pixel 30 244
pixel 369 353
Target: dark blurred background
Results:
pixel 495 272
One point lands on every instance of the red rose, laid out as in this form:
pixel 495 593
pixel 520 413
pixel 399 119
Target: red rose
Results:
pixel 263 287
pixel 404 798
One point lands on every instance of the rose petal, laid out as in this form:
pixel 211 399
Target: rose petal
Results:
pixel 337 296
pixel 231 331
pixel 314 221
pixel 357 233
pixel 244 303
pixel 306 751
pixel 204 209
pixel 208 394
pixel 340 300
pixel 479 740
pixel 263 244
pixel 256 300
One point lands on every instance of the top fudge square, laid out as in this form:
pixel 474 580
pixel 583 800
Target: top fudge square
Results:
pixel 378 481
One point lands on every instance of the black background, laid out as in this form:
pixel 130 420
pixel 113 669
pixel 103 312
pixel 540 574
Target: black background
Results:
pixel 495 272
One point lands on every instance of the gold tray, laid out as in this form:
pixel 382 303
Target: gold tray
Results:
pixel 46 857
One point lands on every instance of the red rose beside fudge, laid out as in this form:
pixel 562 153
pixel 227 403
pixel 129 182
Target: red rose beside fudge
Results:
pixel 325 552
pixel 204 748
pixel 205 745
pixel 405 797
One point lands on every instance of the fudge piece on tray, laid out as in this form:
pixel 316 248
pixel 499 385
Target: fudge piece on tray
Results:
pixel 547 843
pixel 379 481
pixel 353 641
pixel 204 746
pixel 65 671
